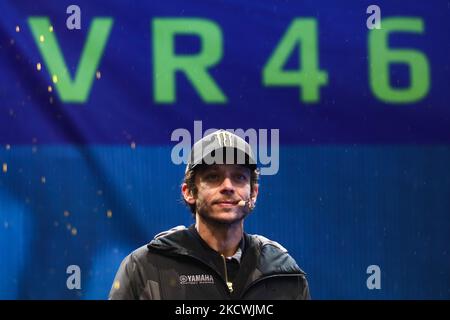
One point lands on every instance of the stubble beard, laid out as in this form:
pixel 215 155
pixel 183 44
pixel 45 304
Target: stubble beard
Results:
pixel 203 211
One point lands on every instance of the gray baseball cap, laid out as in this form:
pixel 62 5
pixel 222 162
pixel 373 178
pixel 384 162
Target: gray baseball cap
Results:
pixel 221 147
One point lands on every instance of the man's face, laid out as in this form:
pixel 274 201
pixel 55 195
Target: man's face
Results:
pixel 220 188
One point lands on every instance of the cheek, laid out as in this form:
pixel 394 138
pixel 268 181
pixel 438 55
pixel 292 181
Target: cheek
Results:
pixel 204 195
pixel 245 190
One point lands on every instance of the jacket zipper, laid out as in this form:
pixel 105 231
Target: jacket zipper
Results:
pixel 229 283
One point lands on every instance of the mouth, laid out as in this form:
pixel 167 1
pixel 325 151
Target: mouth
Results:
pixel 226 203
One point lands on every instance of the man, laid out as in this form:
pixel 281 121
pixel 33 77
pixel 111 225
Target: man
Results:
pixel 214 258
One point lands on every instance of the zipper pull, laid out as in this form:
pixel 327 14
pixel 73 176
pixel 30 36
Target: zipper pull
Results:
pixel 230 286
pixel 229 283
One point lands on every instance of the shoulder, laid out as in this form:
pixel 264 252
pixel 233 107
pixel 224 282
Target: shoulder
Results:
pixel 273 256
pixel 267 243
pixel 140 254
pixel 170 231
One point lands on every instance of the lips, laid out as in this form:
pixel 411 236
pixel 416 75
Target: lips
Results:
pixel 226 202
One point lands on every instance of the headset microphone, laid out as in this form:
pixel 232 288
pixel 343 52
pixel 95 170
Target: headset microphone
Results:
pixel 250 203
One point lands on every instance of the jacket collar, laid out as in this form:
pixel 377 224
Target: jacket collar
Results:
pixel 269 256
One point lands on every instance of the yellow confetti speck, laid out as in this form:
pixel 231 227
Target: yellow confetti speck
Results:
pixel 98 75
pixel 38 66
pixel 43 179
pixel 41 38
pixel 66 213
pixel 117 285
pixel 49 88
pixel 17 29
pixel 5 167
pixel 50 28
pixel 55 78
pixel 109 213
pixel 133 145
pixel 74 231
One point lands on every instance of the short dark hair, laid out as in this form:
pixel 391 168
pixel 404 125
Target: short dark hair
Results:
pixel 189 179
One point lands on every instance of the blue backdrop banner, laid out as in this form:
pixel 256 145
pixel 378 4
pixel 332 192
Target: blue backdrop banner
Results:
pixel 93 96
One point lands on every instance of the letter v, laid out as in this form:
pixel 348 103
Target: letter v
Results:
pixel 76 91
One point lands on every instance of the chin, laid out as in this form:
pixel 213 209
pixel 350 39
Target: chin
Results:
pixel 224 217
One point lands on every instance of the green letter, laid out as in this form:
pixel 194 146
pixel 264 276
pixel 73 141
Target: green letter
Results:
pixel 381 56
pixel 301 32
pixel 75 91
pixel 166 63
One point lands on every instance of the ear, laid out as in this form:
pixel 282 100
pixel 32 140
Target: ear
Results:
pixel 254 194
pixel 187 194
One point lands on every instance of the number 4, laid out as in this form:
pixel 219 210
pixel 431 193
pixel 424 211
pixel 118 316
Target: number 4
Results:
pixel 301 32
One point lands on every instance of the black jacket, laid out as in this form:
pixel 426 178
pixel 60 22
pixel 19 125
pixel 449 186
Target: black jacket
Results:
pixel 178 264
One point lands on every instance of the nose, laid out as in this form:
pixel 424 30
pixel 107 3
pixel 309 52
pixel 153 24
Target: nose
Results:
pixel 227 186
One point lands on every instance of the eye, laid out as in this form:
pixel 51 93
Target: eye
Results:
pixel 211 177
pixel 241 177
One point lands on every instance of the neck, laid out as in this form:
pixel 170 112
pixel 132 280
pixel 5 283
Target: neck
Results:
pixel 223 238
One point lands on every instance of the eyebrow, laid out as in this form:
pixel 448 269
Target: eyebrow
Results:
pixel 215 168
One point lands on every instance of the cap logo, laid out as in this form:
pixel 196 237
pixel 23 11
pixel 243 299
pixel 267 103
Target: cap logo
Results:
pixel 225 140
